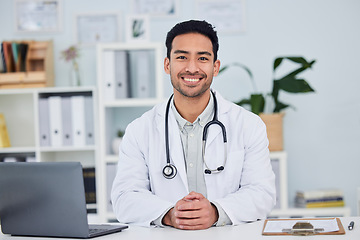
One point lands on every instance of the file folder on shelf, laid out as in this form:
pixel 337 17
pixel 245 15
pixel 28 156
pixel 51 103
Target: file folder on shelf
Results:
pixel 122 83
pixel 44 123
pixel 144 76
pixel 78 120
pixel 89 121
pixel 55 116
pixel 141 74
pixel 109 75
pixel 67 135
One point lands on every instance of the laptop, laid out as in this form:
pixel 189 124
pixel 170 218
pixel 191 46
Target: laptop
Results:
pixel 46 199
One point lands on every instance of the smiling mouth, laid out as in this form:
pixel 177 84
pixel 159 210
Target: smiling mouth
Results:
pixel 191 79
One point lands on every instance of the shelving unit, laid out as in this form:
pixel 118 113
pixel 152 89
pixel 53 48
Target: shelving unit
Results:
pixel 116 111
pixel 21 110
pixel 282 209
pixel 39 70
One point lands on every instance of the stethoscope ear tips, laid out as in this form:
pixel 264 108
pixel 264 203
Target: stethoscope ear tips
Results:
pixel 219 169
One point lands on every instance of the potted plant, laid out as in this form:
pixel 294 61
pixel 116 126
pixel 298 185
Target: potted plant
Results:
pixel 71 54
pixel 290 83
pixel 116 142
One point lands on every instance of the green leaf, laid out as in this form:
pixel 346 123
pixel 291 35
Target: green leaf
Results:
pixel 277 62
pixel 304 64
pixel 243 102
pixel 293 85
pixel 295 72
pixel 280 106
pixel 300 60
pixel 275 91
pixel 223 68
pixel 257 103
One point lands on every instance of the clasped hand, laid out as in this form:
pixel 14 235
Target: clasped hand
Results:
pixel 192 212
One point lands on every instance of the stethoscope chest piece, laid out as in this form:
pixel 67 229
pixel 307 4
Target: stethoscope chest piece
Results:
pixel 169 171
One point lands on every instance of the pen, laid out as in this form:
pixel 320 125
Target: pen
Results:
pixel 351 225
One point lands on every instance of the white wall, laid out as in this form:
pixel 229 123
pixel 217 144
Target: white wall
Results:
pixel 322 136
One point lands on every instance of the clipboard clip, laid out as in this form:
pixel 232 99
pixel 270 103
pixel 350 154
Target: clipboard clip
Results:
pixel 303 228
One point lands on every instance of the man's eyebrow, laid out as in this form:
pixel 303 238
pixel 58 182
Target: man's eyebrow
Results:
pixel 198 53
pixel 204 53
pixel 180 51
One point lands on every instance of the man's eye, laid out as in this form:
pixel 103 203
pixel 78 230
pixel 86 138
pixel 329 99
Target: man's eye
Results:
pixel 180 57
pixel 203 59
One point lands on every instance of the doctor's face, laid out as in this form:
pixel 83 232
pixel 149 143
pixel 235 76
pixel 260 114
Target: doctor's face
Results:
pixel 191 65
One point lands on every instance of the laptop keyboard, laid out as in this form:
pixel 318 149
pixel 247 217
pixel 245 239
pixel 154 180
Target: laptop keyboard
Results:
pixel 95 230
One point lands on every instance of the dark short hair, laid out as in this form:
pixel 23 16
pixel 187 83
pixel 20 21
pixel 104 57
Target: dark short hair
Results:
pixel 193 26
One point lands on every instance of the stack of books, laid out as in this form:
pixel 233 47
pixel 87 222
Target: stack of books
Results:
pixel 319 198
pixel 13 56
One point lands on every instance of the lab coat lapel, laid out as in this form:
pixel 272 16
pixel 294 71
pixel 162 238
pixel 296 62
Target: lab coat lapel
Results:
pixel 175 144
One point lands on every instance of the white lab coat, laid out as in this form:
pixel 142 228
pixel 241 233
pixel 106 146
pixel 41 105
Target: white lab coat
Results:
pixel 245 189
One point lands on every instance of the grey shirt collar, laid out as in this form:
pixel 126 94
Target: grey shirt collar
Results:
pixel 202 119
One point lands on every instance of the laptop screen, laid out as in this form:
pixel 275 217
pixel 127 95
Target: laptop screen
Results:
pixel 43 199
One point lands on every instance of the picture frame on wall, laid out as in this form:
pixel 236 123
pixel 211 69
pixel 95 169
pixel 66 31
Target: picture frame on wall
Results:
pixel 227 16
pixel 38 16
pixel 137 28
pixel 155 8
pixel 93 28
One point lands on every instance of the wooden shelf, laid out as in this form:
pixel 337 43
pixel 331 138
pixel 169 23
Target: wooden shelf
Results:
pixel 67 149
pixel 17 150
pixel 39 68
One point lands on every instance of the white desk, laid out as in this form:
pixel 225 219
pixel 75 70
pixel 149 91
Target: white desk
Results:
pixel 247 231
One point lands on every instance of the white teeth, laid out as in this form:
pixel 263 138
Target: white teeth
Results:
pixel 192 79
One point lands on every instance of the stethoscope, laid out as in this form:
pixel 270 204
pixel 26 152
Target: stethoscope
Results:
pixel 169 171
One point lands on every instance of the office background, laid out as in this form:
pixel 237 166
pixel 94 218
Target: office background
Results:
pixel 322 136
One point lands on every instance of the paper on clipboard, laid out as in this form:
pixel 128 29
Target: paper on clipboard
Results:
pixel 329 225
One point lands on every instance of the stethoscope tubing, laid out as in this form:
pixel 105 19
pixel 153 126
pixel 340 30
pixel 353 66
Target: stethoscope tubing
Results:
pixel 169 171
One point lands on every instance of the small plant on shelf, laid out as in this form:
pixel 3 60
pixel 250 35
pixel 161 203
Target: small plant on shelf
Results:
pixel 116 141
pixel 120 133
pixel 72 54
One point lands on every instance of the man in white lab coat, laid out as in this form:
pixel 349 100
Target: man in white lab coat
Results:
pixel 230 183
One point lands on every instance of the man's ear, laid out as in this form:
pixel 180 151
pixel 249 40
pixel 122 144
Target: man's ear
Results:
pixel 167 65
pixel 216 67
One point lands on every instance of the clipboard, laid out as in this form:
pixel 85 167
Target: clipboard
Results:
pixel 339 232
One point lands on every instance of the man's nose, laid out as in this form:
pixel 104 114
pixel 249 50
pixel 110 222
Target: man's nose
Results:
pixel 192 66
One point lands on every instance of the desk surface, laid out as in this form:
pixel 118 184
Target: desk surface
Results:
pixel 247 231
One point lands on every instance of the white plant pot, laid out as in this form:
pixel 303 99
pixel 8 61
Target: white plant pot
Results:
pixel 115 145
